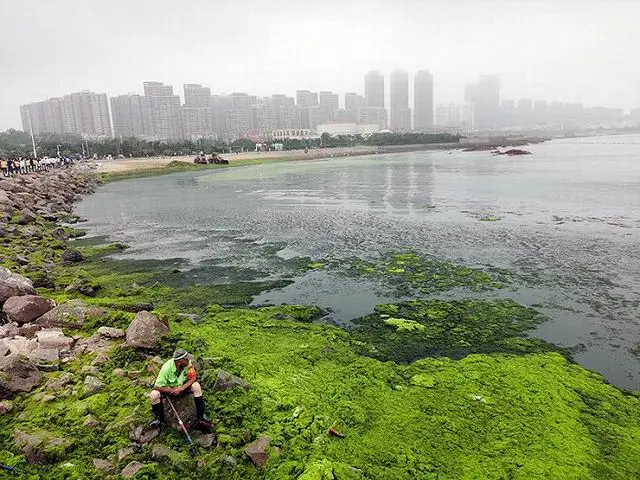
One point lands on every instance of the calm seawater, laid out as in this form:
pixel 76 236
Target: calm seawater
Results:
pixel 569 215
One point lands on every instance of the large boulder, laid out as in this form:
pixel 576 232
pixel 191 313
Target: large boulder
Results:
pixel 185 407
pixel 258 451
pixel 54 338
pixel 40 447
pixel 131 469
pixel 12 284
pixel 227 381
pixel 17 375
pixel 72 256
pixel 26 308
pixel 145 330
pixel 70 315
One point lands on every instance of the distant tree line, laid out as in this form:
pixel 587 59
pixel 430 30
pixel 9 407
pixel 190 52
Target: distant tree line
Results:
pixel 18 143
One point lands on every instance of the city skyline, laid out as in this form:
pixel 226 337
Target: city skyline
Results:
pixel 541 49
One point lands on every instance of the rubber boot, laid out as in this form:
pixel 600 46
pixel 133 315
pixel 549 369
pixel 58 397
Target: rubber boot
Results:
pixel 158 412
pixel 199 401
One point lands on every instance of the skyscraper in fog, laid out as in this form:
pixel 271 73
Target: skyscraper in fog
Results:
pixel 84 113
pixel 352 105
pixel 161 111
pixel 485 97
pixel 423 101
pixel 374 89
pixel 126 111
pixel 400 118
pixel 197 112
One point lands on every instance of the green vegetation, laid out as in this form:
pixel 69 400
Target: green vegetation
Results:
pixel 453 328
pixel 412 273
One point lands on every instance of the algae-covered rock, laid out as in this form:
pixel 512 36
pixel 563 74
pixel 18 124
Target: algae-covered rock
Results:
pixel 227 381
pixel 91 386
pixel 131 469
pixel 72 256
pixel 41 447
pixel 25 308
pixel 145 330
pixel 104 466
pixel 142 434
pixel 111 332
pixel 162 453
pixel 90 421
pixel 59 382
pixel 70 315
pixel 17 375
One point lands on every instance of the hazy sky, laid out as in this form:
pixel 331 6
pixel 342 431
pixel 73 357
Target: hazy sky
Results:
pixel 580 50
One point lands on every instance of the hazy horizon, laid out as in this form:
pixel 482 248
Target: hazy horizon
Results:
pixel 570 51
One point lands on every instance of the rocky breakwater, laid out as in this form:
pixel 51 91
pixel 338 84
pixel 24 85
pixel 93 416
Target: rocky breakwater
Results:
pixel 31 246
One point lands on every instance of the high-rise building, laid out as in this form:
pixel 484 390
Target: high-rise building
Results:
pixel 374 89
pixel 43 117
pixel 126 111
pixel 161 112
pixel 239 115
pixel 328 103
pixel 197 112
pixel 373 116
pixel 485 96
pixel 263 118
pixel 352 105
pixel 306 101
pixel 400 114
pixel 285 111
pixel 85 113
pixel 423 101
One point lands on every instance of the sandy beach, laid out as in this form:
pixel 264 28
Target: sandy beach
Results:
pixel 129 164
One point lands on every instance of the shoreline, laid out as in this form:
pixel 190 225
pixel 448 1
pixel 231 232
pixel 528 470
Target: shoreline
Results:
pixel 116 167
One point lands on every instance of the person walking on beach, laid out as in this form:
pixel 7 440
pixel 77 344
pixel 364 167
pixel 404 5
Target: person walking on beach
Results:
pixel 176 377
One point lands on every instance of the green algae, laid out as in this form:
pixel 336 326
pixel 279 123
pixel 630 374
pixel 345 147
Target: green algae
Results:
pixel 411 273
pixel 453 328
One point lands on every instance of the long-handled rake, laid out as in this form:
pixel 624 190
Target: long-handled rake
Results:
pixel 192 448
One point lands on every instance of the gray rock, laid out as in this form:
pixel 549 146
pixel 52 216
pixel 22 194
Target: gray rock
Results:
pixel 4 348
pixel 100 359
pixel 91 386
pixel 17 376
pixel 124 453
pixel 111 332
pixel 131 469
pixel 9 330
pixel 44 354
pixel 91 370
pixel 104 466
pixel 72 256
pixel 60 382
pixel 194 318
pixel 90 421
pixel 142 435
pixel 227 381
pixel 54 338
pixel 205 440
pixel 162 453
pixel 12 284
pixel 26 308
pixel 70 315
pixel 28 215
pixel 21 346
pixel 5 406
pixel 119 372
pixel 145 330
pixel 258 451
pixel 228 460
pixel 40 447
pixel 186 409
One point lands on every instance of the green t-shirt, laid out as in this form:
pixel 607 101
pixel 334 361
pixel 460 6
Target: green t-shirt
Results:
pixel 168 375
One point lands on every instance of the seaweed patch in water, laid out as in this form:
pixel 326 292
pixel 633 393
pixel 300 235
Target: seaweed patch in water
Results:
pixel 437 328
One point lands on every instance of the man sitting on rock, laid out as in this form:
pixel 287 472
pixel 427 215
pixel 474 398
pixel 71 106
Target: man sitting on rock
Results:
pixel 176 376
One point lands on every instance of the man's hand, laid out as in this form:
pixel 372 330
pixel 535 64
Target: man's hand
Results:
pixel 176 391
